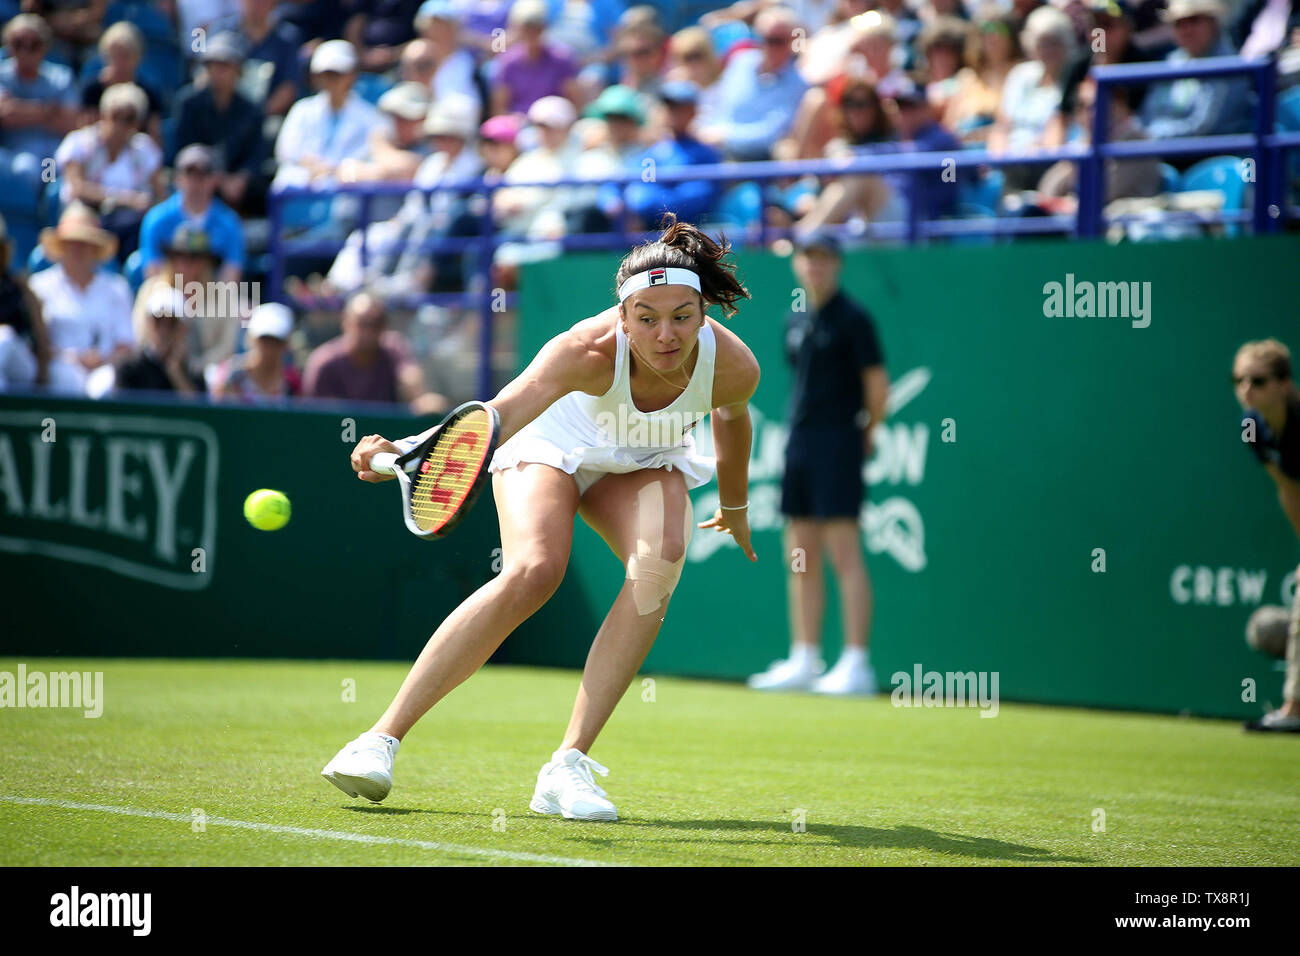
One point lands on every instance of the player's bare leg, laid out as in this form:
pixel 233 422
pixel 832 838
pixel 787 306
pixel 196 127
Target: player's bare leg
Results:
pixel 536 505
pixel 646 513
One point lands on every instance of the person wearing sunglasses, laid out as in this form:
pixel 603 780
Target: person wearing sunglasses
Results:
pixel 112 166
pixel 38 102
pixel 194 201
pixel 1270 429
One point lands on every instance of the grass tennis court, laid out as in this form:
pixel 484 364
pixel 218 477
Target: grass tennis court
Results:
pixel 706 773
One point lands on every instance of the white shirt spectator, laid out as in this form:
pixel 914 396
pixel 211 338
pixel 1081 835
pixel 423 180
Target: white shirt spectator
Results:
pixel 98 316
pixel 455 75
pixel 313 129
pixel 132 169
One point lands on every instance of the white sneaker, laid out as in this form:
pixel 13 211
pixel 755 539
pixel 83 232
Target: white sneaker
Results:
pixel 364 767
pixel 788 675
pixel 847 679
pixel 565 786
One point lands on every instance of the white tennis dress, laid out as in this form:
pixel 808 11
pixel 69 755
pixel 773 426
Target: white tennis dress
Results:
pixel 590 436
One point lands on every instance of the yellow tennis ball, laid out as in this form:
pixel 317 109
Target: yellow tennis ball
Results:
pixel 267 510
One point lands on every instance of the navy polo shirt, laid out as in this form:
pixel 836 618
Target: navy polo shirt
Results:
pixel 828 349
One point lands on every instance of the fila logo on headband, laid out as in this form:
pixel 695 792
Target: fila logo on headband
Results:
pixel 659 276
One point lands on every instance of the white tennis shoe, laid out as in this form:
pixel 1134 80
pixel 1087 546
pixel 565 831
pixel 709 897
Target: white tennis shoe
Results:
pixel 792 674
pixel 850 677
pixel 566 786
pixel 364 767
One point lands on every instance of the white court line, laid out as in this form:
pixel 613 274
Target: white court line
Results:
pixel 304 831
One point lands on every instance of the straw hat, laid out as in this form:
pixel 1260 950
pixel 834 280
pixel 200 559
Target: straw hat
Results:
pixel 78 224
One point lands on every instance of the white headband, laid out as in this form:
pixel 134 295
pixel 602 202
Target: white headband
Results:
pixel 669 276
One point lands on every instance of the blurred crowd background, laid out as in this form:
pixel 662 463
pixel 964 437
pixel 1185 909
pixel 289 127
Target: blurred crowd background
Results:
pixel 140 144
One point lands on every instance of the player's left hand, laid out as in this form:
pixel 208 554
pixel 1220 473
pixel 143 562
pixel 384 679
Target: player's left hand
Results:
pixel 734 523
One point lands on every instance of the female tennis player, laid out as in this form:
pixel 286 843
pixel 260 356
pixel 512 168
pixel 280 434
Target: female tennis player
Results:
pixel 598 425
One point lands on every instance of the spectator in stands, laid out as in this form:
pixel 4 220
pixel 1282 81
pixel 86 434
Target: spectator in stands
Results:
pixel 1197 107
pixel 74 24
pixel 418 63
pixel 906 25
pixel 1031 94
pixel 691 200
pixel 531 68
pixel 1115 19
pixel 826 51
pixel 214 113
pixel 38 103
pixel 378 29
pixel 369 362
pixel 942 44
pixel 24 342
pixel 1021 9
pixel 691 57
pixel 112 166
pixel 267 41
pixel 1262 379
pixel 1128 178
pixel 195 202
pixel 990 56
pixel 616 150
pixel 1260 27
pixel 396 260
pixel 536 212
pixel 452 68
pixel 190 266
pixel 121 49
pixel 396 150
pixel 323 130
pixel 642 56
pixel 160 363
pixel 885 197
pixel 496 144
pixel 87 310
pixel 263 373
pixel 840 393
pixel 760 92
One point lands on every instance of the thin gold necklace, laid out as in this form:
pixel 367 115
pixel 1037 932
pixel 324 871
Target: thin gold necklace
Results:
pixel 680 388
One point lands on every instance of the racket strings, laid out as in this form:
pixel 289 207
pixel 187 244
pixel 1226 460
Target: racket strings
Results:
pixel 450 470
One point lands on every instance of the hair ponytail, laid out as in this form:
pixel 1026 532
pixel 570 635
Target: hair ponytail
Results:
pixel 684 246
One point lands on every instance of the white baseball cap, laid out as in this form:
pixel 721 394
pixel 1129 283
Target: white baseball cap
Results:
pixel 334 56
pixel 455 114
pixel 554 111
pixel 270 318
pixel 408 100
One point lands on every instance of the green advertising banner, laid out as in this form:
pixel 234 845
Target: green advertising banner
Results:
pixel 122 533
pixel 1060 495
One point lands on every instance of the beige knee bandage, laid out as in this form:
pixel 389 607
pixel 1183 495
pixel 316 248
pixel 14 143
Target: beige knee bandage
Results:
pixel 653 579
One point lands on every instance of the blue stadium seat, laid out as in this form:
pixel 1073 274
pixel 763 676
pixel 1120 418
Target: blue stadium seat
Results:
pixel 1221 174
pixel 23 231
pixel 741 206
pixel 1169 178
pixel 1288 111
pixel 985 191
pixel 133 270
pixel 371 86
pixel 725 35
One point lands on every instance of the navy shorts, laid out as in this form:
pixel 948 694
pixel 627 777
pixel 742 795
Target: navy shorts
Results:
pixel 823 474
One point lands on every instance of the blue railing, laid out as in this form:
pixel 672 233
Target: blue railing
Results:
pixel 1265 146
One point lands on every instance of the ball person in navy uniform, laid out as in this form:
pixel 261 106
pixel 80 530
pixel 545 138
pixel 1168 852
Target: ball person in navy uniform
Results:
pixel 840 387
pixel 1262 379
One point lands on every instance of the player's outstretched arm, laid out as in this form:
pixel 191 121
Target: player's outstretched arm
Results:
pixel 567 363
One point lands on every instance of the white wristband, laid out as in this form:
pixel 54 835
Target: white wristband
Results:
pixel 736 508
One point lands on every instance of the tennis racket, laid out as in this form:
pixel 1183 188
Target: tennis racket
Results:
pixel 442 475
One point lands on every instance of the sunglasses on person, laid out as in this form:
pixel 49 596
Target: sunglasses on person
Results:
pixel 776 39
pixel 122 119
pixel 1259 381
pixel 195 170
pixel 27 43
pixel 639 52
pixel 858 103
pixel 693 56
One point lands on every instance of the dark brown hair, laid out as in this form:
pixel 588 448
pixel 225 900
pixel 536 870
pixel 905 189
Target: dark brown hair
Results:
pixel 683 246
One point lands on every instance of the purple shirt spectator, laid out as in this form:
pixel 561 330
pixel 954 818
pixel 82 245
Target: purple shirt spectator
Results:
pixel 332 373
pixel 528 79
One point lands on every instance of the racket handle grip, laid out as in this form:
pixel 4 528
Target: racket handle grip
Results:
pixel 384 463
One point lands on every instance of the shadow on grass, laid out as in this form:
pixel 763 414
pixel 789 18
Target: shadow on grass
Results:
pixel 900 837
pixel 385 811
